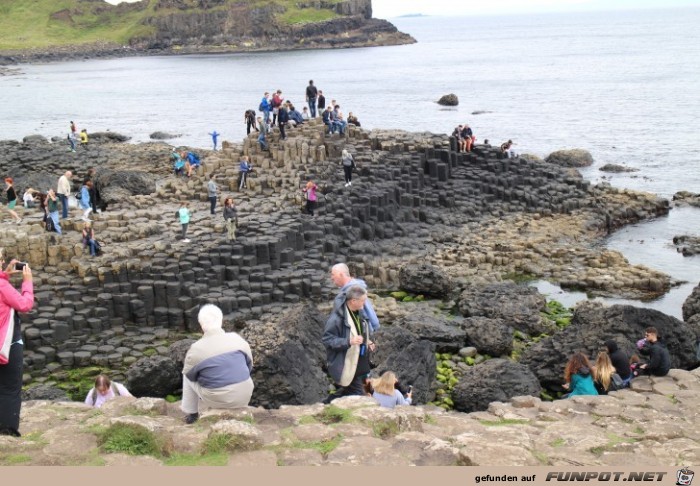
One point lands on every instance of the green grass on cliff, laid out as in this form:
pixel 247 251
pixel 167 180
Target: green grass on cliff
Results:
pixel 31 24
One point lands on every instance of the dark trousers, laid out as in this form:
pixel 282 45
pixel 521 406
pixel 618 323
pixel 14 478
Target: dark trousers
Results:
pixel 64 205
pixel 184 230
pixel 212 202
pixel 310 207
pixel 312 107
pixel 250 125
pixel 282 133
pixel 242 177
pixel 354 388
pixel 11 391
pixel 348 173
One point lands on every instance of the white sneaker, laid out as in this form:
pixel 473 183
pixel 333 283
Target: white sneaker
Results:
pixel 186 240
pixel 346 184
pixel 349 183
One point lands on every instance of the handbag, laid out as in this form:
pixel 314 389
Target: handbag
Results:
pixel 6 336
pixel 617 383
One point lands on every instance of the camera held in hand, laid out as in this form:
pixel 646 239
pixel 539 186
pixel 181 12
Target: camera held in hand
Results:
pixel 20 265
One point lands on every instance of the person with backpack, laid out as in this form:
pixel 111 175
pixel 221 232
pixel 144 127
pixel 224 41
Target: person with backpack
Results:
pixel 265 107
pixel 84 201
pixel 104 390
pixel 249 120
pixel 348 165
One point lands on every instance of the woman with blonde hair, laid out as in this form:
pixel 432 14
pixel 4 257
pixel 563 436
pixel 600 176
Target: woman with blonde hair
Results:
pixel 605 378
pixel 89 238
pixel 386 393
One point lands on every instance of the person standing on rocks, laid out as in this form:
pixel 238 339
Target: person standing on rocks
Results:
pixel 243 169
pixel 282 119
pixel 506 148
pixel 84 202
pixel 184 215
pixel 249 120
pixel 216 371
pixel 321 102
pixel 340 276
pixel 63 191
pixel 230 218
pixel 659 362
pixel 311 95
pixel 311 197
pixel 52 208
pixel 104 390
pixel 73 128
pixel 348 163
pixel 212 191
pixel 277 100
pixel 265 107
pixel 214 138
pixel 11 344
pixel 262 136
pixel 348 346
pixel 11 199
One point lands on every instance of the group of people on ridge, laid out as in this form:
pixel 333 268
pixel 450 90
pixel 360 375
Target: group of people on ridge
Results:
pixel 613 369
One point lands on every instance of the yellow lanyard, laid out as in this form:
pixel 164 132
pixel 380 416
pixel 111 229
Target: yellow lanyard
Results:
pixel 356 320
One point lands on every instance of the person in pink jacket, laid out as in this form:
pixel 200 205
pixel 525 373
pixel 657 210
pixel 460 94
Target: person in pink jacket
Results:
pixel 11 352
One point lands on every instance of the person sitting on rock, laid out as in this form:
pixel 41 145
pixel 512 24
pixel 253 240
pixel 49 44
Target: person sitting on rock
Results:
pixel 457 134
pixel 178 163
pixel 193 162
pixel 104 390
pixel 352 120
pixel 89 239
pixel 216 371
pixel 468 137
pixel 339 120
pixel 386 393
pixel 340 276
pixel 506 149
pixel 84 138
pixel 659 362
pixel 348 346
pixel 295 118
pixel 29 198
pixel 619 360
pixel 577 376
pixel 305 113
pixel 605 378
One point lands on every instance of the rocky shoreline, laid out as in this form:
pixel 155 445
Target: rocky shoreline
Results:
pixel 449 230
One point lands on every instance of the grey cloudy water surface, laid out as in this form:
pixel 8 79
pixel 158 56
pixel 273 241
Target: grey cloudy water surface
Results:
pixel 623 85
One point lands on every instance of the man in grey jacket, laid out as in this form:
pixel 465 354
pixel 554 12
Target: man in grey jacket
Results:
pixel 217 368
pixel 348 347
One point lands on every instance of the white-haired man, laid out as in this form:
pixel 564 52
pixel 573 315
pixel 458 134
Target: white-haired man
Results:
pixel 217 368
pixel 340 275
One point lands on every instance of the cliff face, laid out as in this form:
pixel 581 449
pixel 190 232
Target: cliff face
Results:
pixel 187 26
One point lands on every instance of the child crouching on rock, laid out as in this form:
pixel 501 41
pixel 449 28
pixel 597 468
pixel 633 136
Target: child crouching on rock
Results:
pixel 385 391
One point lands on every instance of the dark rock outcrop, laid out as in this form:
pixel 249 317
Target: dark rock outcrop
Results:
pixel 155 376
pixel 489 336
pixel 518 306
pixel 494 380
pixel 691 306
pixel 682 198
pixel 163 135
pixel 288 359
pixel 105 137
pixel 687 245
pixel 570 158
pixel 616 168
pixel 45 392
pixel 412 359
pixel 425 279
pixel 447 335
pixel 593 324
pixel 35 139
pixel 449 100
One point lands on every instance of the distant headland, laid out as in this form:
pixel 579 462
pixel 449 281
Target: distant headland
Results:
pixel 79 30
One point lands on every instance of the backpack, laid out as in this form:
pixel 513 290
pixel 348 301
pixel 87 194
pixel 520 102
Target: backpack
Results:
pixel 115 390
pixel 78 195
pixel 49 225
pixel 261 107
pixel 177 214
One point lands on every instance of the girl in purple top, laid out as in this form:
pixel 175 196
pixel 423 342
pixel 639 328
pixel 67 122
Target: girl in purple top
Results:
pixel 311 198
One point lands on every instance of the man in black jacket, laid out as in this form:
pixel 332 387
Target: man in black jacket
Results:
pixel 619 359
pixel 659 359
pixel 311 95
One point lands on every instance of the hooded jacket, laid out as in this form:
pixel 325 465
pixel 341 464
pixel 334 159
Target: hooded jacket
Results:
pixel 582 383
pixel 619 359
pixel 659 360
pixel 341 357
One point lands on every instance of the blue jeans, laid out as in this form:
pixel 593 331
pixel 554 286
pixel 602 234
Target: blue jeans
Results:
pixel 312 107
pixel 54 217
pixel 262 141
pixel 212 202
pixel 64 205
pixel 266 116
pixel 91 243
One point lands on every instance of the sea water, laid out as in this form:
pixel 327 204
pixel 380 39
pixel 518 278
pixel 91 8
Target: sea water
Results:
pixel 624 85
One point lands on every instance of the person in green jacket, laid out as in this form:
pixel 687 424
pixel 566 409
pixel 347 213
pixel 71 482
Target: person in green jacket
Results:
pixel 577 376
pixel 184 215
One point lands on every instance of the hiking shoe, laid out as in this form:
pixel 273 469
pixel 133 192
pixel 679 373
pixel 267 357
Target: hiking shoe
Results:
pixel 19 221
pixel 186 240
pixel 191 418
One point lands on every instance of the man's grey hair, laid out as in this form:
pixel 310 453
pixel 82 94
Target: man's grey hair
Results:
pixel 342 268
pixel 210 317
pixel 355 292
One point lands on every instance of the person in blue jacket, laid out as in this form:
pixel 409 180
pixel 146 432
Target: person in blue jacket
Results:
pixel 215 138
pixel 577 376
pixel 340 275
pixel 265 107
pixel 243 170
pixel 84 202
